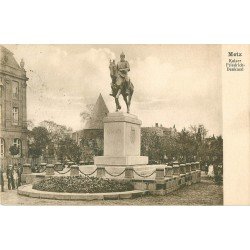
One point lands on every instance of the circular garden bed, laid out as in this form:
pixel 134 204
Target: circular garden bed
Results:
pixel 80 184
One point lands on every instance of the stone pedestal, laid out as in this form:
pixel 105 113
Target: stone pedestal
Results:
pixel 122 141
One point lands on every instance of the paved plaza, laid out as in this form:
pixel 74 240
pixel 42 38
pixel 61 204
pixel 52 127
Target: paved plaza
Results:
pixel 204 193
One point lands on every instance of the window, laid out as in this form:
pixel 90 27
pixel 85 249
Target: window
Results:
pixel 15 90
pixel 17 142
pixel 15 115
pixel 2 146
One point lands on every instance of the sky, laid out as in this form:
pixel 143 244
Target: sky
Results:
pixel 174 84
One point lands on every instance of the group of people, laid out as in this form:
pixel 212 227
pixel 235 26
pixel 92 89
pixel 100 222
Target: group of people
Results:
pixel 13 174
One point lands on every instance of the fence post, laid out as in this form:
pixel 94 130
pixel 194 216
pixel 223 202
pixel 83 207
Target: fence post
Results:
pixel 100 172
pixel 58 166
pixel 70 163
pixel 198 170
pixel 168 171
pixel 159 174
pixel 182 168
pixel 188 167
pixel 74 170
pixel 188 173
pixel 176 169
pixel 160 181
pixel 26 168
pixel 26 173
pixel 193 166
pixel 43 165
pixel 197 165
pixel 176 176
pixel 129 173
pixel 50 169
pixel 183 174
pixel 169 180
pixel 81 163
pixel 193 172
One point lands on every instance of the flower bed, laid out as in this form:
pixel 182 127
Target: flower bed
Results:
pixel 80 184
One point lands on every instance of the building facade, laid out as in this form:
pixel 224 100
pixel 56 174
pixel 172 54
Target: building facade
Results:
pixel 13 105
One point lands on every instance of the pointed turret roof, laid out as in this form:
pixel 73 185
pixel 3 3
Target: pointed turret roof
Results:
pixel 100 110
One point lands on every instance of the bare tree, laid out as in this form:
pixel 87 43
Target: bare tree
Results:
pixel 85 115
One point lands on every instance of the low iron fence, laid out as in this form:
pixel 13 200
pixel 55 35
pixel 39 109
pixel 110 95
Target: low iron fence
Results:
pixel 160 172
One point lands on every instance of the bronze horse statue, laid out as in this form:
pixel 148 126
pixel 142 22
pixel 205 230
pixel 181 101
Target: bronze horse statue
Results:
pixel 126 89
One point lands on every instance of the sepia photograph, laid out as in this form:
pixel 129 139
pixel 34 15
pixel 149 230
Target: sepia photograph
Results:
pixel 111 125
pixel 124 125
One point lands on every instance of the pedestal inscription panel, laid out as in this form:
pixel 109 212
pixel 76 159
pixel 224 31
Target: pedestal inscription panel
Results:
pixel 122 140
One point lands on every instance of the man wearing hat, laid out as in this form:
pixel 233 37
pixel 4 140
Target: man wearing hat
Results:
pixel 123 68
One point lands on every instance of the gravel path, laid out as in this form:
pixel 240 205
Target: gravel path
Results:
pixel 204 193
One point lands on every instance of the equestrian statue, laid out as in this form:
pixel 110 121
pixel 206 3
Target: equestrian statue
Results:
pixel 121 84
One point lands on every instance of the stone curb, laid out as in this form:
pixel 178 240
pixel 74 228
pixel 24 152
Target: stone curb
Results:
pixel 27 190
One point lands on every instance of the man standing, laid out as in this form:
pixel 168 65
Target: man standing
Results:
pixel 1 179
pixel 10 177
pixel 19 173
pixel 123 69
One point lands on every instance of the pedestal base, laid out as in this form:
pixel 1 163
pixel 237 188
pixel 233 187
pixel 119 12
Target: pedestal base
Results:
pixel 121 161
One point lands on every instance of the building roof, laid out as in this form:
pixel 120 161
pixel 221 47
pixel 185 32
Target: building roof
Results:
pixel 159 130
pixel 100 110
pixel 7 58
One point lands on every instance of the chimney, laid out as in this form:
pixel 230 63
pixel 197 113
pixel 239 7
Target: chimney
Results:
pixel 156 124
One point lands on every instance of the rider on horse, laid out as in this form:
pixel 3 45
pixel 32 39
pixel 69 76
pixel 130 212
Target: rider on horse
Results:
pixel 122 80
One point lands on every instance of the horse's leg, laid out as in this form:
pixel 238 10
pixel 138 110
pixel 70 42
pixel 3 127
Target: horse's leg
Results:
pixel 128 104
pixel 117 98
pixel 129 99
pixel 118 94
pixel 117 105
pixel 126 101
